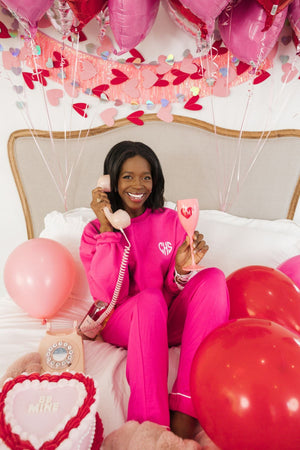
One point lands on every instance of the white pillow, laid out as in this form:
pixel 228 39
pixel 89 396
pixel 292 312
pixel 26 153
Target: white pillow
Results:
pixel 236 242
pixel 67 229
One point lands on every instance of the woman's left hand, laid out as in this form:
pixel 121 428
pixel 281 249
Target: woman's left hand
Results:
pixel 183 256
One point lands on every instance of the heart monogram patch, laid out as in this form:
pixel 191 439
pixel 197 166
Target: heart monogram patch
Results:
pixel 186 212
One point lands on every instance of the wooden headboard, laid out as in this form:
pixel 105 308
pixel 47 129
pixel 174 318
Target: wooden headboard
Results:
pixel 255 175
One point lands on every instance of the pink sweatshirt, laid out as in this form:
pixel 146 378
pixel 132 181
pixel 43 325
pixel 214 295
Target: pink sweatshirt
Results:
pixel 154 237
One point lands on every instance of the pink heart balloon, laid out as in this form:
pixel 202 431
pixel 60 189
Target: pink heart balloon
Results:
pixel 241 28
pixel 206 10
pixel 131 21
pixel 39 275
pixel 28 12
pixel 294 16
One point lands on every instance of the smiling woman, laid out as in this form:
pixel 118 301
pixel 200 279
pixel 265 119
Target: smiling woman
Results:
pixel 158 303
pixel 135 185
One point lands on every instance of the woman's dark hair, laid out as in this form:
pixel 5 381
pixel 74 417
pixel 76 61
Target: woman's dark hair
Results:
pixel 114 160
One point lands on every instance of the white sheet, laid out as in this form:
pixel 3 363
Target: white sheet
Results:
pixel 21 334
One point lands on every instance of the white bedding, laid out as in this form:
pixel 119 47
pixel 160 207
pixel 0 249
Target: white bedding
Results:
pixel 235 242
pixel 21 334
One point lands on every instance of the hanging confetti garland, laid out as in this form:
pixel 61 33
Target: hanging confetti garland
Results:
pixel 132 80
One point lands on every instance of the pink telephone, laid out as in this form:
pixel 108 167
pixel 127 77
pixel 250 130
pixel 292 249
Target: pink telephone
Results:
pixel 119 219
pixel 99 313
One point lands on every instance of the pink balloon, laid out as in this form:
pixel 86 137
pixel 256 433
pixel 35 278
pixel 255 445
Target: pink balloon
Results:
pixel 39 275
pixel 294 16
pixel 206 10
pixel 131 21
pixel 28 12
pixel 241 30
pixel 291 268
pixel 187 21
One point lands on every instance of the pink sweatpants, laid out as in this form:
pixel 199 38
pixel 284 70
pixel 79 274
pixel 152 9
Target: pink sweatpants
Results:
pixel 146 327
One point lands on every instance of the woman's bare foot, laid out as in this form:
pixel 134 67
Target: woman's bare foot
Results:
pixel 183 425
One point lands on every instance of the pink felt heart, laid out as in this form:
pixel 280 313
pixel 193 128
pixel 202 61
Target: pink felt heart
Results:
pixel 130 88
pixel 106 45
pixel 108 116
pixel 289 73
pixel 9 61
pixel 149 78
pixel 53 96
pixel 188 66
pixel 71 89
pixel 165 113
pixel 221 88
pixel 88 70
pixel 163 67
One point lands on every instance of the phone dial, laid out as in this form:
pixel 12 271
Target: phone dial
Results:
pixel 62 350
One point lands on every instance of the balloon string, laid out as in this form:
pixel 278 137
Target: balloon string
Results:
pixel 41 87
pixel 264 136
pixel 29 123
pixel 237 160
pixel 30 126
pixel 211 75
pixel 236 168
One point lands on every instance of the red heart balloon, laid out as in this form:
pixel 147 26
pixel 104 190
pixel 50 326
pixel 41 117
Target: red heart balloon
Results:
pixel 85 10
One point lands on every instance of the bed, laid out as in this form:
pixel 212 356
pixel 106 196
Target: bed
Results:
pixel 247 185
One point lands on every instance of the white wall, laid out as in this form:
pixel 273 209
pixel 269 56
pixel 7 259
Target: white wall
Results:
pixel 270 105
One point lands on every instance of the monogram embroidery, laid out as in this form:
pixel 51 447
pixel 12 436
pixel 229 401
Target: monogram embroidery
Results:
pixel 165 247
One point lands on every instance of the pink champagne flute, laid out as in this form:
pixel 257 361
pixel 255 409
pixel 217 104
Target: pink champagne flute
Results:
pixel 188 213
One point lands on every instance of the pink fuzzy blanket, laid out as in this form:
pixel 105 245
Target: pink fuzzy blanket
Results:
pixel 150 436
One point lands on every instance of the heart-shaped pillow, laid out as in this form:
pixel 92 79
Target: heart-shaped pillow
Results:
pixel 49 411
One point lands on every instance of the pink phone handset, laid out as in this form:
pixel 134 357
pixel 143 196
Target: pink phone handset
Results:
pixel 99 313
pixel 119 219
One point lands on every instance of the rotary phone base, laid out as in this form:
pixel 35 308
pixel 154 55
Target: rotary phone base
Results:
pixel 61 350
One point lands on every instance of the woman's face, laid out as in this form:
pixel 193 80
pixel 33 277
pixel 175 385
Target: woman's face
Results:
pixel 135 184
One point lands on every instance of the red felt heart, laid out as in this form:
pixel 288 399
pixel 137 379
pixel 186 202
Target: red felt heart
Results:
pixel 198 74
pixel 81 108
pixel 40 75
pixel 262 77
pixel 192 105
pixel 216 48
pixel 98 90
pixel 59 60
pixel 120 77
pixel 4 34
pixel 136 57
pixel 28 79
pixel 82 37
pixel 135 117
pixel 242 67
pixel 160 82
pixel 187 212
pixel 180 76
pixel 41 409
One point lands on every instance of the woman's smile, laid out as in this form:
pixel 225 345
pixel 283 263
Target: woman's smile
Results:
pixel 135 185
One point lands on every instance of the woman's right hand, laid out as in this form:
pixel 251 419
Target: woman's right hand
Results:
pixel 99 202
